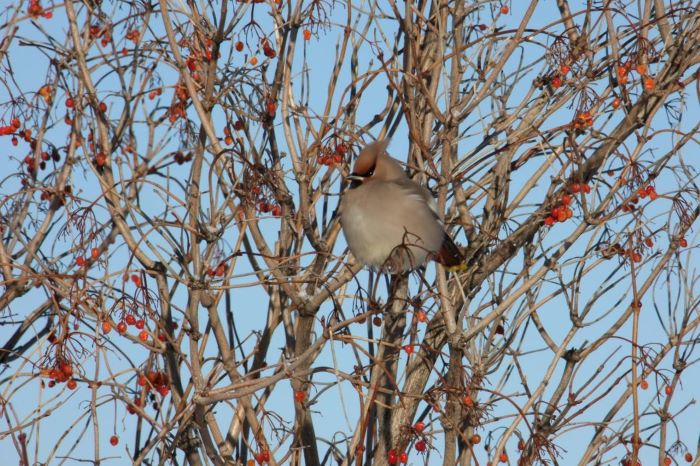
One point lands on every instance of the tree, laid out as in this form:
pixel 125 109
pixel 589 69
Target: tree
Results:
pixel 174 281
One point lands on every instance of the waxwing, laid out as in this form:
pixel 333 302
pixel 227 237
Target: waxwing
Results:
pixel 390 222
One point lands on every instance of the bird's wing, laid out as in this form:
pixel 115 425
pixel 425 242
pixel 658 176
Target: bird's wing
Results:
pixel 421 194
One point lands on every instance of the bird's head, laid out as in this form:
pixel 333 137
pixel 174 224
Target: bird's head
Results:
pixel 374 164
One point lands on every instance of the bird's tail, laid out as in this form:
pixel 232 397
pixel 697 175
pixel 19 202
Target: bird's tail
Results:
pixel 449 255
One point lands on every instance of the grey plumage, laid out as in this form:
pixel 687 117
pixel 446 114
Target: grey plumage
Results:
pixel 391 222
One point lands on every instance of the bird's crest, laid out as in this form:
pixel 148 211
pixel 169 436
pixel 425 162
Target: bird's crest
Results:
pixel 367 159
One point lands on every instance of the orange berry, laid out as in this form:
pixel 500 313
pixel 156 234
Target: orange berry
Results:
pixel 143 335
pixel 476 439
pixel 564 69
pixel 72 384
pixel 556 82
pixel 307 34
pixel 649 83
pixel 106 327
pixel 643 384
pixel 642 68
pixel 95 253
pixel 467 400
pixel 505 10
pixel 503 458
pixel 668 390
pixel 616 102
pixel 253 61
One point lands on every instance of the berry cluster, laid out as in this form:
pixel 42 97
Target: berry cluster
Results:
pixel 61 372
pixel 156 380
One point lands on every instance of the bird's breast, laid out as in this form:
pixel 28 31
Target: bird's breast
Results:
pixel 382 221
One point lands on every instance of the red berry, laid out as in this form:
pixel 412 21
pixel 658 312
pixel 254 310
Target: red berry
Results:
pixel 121 327
pixel 69 102
pixel 556 82
pixel 140 324
pixel 130 319
pixel 420 445
pixel 643 384
pixel 683 243
pixel 299 396
pixel 688 457
pixel 106 327
pixel 505 9
pixel 564 69
pixel 143 335
pixel 114 440
pixel 392 458
pixel 80 261
pixel 403 457
pixel 72 384
pixel 408 349
pixel 419 426
pixel 668 390
pixel 95 253
pixel 103 107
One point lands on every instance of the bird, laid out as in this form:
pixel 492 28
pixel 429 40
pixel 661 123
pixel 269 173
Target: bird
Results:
pixel 390 222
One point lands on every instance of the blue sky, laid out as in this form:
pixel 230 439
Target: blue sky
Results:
pixel 335 408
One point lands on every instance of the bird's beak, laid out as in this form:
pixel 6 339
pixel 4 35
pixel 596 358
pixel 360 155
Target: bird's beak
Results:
pixel 355 180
